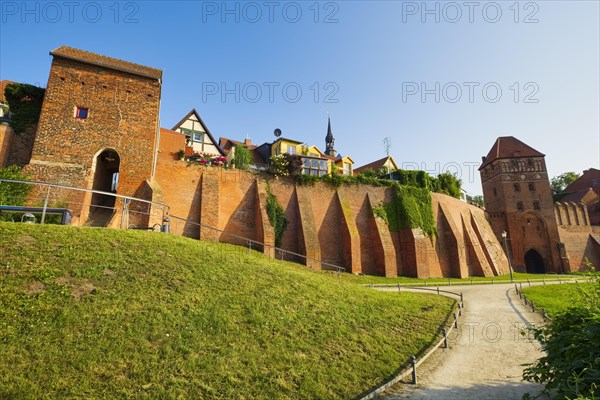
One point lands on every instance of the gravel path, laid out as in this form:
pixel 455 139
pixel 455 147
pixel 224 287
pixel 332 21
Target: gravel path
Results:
pixel 485 355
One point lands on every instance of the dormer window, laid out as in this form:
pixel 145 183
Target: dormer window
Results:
pixel 81 113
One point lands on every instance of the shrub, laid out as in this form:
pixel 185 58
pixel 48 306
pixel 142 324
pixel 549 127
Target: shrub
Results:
pixel 279 165
pixel 25 103
pixel 13 194
pixel 571 366
pixel 276 216
pixel 242 157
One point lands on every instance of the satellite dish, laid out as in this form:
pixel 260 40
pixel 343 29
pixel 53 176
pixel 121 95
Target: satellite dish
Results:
pixel 277 132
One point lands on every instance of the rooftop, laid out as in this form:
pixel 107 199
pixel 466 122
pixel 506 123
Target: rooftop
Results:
pixel 106 62
pixel 509 147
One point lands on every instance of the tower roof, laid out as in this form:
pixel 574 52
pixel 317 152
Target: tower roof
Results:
pixel 106 62
pixel 507 147
pixel 329 133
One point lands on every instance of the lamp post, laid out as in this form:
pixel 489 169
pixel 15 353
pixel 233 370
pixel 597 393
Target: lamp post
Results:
pixel 504 235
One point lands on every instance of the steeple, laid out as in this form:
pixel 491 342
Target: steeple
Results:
pixel 329 150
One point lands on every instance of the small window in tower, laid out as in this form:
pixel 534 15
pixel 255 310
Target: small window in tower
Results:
pixel 495 192
pixel 536 205
pixel 81 113
pixel 532 187
pixel 520 206
pixel 517 187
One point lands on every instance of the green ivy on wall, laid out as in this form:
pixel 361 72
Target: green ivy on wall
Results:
pixel 410 208
pixel 276 216
pixel 25 104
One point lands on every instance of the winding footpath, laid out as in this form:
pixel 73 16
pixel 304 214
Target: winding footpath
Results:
pixel 486 353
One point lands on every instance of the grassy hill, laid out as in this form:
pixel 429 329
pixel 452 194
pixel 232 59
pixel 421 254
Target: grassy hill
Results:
pixel 95 313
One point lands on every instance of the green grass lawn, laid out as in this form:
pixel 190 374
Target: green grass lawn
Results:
pixel 517 276
pixel 556 298
pixel 96 314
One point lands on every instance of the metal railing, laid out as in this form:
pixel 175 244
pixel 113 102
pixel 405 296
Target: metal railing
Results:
pixel 68 199
pixel 166 220
pixel 270 251
pixel 412 361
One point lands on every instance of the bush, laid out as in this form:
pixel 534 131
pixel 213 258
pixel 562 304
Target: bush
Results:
pixel 13 194
pixel 25 103
pixel 242 157
pixel 276 216
pixel 571 367
pixel 279 165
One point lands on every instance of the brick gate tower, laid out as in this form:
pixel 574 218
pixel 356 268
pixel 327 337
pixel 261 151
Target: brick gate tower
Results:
pixel 98 127
pixel 518 200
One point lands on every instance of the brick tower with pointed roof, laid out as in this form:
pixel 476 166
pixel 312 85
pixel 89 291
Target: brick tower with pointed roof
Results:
pixel 519 201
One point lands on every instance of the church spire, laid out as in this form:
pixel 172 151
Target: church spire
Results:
pixel 329 140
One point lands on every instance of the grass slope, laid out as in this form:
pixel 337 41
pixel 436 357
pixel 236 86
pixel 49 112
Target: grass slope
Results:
pixel 95 313
pixel 557 298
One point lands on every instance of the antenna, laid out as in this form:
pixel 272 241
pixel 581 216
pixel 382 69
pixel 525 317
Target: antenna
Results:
pixel 277 132
pixel 387 143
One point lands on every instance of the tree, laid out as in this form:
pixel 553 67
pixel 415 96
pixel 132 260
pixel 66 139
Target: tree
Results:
pixel 477 200
pixel 560 182
pixel 242 157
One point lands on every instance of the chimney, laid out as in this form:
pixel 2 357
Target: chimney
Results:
pixel 247 142
pixel 483 158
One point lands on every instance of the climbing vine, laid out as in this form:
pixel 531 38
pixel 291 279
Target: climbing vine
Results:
pixel 276 216
pixel 410 208
pixel 25 104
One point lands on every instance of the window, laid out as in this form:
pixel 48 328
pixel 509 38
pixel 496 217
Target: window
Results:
pixel 536 205
pixel 347 168
pixel 495 193
pixel 532 187
pixel 520 206
pixel 81 113
pixel 314 166
pixel 517 187
pixel 194 136
pixel 291 149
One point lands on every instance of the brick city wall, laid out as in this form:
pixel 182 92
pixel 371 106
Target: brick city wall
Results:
pixel 335 226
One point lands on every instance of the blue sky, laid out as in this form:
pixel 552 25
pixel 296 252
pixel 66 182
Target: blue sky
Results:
pixel 442 79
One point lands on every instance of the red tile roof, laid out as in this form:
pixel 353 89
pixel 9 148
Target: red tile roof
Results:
pixel 227 144
pixel 509 147
pixel 589 179
pixel 375 165
pixel 107 62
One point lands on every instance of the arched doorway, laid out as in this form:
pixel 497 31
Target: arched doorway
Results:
pixel 106 179
pixel 534 262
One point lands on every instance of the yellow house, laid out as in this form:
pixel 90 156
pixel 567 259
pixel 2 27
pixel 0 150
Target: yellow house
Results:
pixel 314 161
